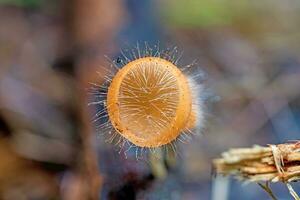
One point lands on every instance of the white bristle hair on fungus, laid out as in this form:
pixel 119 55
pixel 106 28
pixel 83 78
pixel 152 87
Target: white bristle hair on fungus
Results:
pixel 147 101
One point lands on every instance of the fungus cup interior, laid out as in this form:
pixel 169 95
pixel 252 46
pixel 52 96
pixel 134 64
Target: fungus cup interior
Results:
pixel 149 102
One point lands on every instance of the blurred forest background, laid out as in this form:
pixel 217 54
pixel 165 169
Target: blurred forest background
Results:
pixel 50 51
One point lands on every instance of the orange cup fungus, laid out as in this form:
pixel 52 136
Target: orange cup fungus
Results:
pixel 149 102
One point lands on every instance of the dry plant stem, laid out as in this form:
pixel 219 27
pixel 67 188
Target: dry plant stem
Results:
pixel 267 188
pixel 275 163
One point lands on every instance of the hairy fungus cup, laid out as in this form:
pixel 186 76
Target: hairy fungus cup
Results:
pixel 149 102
